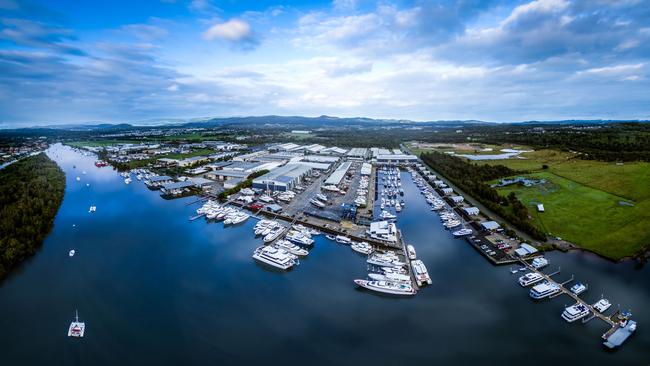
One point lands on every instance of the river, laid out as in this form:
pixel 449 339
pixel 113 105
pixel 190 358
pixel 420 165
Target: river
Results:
pixel 156 289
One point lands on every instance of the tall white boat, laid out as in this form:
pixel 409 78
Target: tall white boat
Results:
pixel 387 287
pixel 76 328
pixel 544 289
pixel 276 257
pixel 291 248
pixel 343 239
pixel 462 232
pixel 299 238
pixel 71 253
pixel 363 248
pixel 539 262
pixel 411 251
pixel 575 312
pixel 530 279
pixel 602 305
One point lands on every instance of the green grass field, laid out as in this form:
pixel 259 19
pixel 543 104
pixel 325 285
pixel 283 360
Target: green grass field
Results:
pixel 582 200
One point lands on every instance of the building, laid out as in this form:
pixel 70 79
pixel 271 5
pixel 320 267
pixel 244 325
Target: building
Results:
pixel 321 159
pixel 226 175
pixel 358 152
pixel 540 207
pixel 202 183
pixel 490 225
pixel 383 230
pixel 159 181
pixel 314 148
pixel 457 199
pixel 471 210
pixel 396 158
pixel 366 169
pixel 337 176
pixel 177 188
pixel 192 161
pixel 168 162
pixel 333 151
pixel 447 190
pixel 525 249
pixel 301 132
pixel 284 178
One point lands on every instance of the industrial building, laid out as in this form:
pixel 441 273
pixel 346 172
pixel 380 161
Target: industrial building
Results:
pixel 336 177
pixel 283 178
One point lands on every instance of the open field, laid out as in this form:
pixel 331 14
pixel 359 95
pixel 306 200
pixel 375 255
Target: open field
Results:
pixel 464 148
pixel 585 201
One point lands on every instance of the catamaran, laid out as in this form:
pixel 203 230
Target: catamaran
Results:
pixel 602 305
pixel 421 273
pixel 76 328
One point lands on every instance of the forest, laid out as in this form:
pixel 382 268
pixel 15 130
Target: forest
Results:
pixel 471 179
pixel 31 191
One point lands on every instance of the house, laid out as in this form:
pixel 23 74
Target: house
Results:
pixel 525 249
pixel 471 210
pixel 457 199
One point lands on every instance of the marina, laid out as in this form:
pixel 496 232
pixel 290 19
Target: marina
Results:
pixel 204 264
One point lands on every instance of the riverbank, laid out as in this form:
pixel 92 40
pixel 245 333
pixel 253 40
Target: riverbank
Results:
pixel 31 191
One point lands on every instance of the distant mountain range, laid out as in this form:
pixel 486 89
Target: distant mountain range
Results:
pixel 297 121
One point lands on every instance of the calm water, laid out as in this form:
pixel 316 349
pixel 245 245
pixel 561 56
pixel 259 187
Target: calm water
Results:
pixel 156 289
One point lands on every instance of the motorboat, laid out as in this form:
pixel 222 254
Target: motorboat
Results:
pixel 539 262
pixel 462 232
pixel 387 287
pixel 420 272
pixel 330 237
pixel 92 209
pixel 343 239
pixel 578 288
pixel 390 277
pixel 273 234
pixel 530 279
pixel 299 238
pixel 316 203
pixel 575 312
pixel 77 328
pixel 78 179
pixel 321 197
pixel 384 261
pixel 602 305
pixel 276 257
pixel 544 289
pixel 291 248
pixel 71 253
pixel 127 180
pixel 385 215
pixel 411 252
pixel 362 247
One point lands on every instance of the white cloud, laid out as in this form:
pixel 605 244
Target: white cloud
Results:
pixel 234 30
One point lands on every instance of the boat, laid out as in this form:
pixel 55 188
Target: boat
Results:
pixel 384 261
pixel 92 209
pixel 544 289
pixel 578 288
pixel 127 180
pixel 330 237
pixel 390 277
pixel 575 312
pixel 299 238
pixel 363 248
pixel 316 203
pixel 273 234
pixel 78 179
pixel 343 239
pixel 385 215
pixel 100 163
pixel 420 272
pixel 411 251
pixel 291 248
pixel 462 232
pixel 387 287
pixel 275 257
pixel 530 279
pixel 625 329
pixel 539 262
pixel 76 328
pixel 396 270
pixel 602 305
pixel 71 253
pixel 321 197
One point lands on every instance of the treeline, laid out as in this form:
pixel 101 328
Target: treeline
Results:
pixel 31 191
pixel 243 184
pixel 471 179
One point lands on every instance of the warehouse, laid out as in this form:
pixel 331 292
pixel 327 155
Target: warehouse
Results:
pixel 283 178
pixel 396 158
pixel 336 177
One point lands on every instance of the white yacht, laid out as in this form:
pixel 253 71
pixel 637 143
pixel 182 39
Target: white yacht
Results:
pixel 397 277
pixel 578 288
pixel 387 287
pixel 575 312
pixel 384 261
pixel 462 232
pixel 71 253
pixel 452 224
pixel 395 270
pixel 363 248
pixel 273 234
pixel 385 215
pixel 411 251
pixel 76 328
pixel 539 262
pixel 420 272
pixel 299 238
pixel 322 197
pixel 276 257
pixel 602 305
pixel 343 239
pixel 78 179
pixel 316 203
pixel 92 209
pixel 544 289
pixel 127 180
pixel 530 279
pixel 291 248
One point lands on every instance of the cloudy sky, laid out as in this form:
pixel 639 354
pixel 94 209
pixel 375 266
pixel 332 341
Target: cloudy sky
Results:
pixel 124 61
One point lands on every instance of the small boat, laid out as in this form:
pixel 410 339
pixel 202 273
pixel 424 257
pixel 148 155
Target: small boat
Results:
pixel 92 209
pixel 78 179
pixel 343 239
pixel 291 248
pixel 317 203
pixel 76 328
pixel 411 251
pixel 462 232
pixel 390 277
pixel 330 237
pixel 578 288
pixel 71 253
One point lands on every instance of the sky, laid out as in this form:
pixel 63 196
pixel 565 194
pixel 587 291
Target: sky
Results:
pixel 65 62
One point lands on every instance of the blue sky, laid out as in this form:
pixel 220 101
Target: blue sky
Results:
pixel 128 61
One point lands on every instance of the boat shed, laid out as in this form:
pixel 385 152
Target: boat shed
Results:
pixel 490 225
pixel 155 182
pixel 177 188
pixel 274 207
pixel 396 158
pixel 471 210
pixel 284 178
pixel 366 169
pixel 525 249
pixel 457 199
pixel 447 190
pixel 336 177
